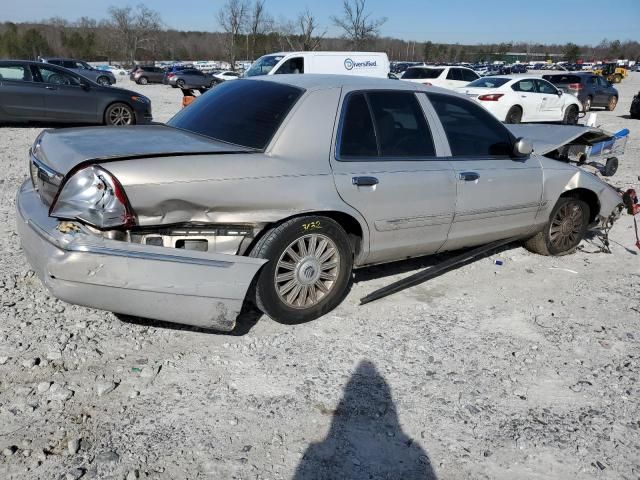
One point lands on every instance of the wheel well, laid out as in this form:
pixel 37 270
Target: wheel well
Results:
pixel 587 196
pixel 346 221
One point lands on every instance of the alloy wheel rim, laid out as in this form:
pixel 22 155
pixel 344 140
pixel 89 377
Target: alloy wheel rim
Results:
pixel 565 229
pixel 307 271
pixel 120 116
pixel 612 103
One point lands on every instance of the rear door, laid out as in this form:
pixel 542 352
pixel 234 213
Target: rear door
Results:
pixel 387 166
pixel 66 100
pixel 551 103
pixel 497 196
pixel 528 99
pixel 20 97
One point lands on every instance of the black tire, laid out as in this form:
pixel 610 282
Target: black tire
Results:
pixel 104 81
pixel 180 83
pixel 514 115
pixel 286 305
pixel 569 220
pixel 119 115
pixel 142 81
pixel 587 103
pixel 611 167
pixel 571 115
pixel 611 104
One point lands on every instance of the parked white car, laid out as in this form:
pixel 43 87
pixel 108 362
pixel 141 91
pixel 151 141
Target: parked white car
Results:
pixel 515 99
pixel 115 69
pixel 445 77
pixel 227 75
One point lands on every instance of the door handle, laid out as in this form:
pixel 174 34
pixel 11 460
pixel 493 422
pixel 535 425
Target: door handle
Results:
pixel 48 87
pixel 364 181
pixel 469 176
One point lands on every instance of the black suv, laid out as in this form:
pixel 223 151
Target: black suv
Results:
pixel 634 111
pixel 592 90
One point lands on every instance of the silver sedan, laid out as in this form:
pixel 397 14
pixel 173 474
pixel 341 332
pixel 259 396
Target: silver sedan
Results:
pixel 274 189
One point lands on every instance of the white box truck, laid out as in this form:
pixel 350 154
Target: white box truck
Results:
pixel 368 64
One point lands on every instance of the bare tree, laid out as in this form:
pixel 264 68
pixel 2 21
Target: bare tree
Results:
pixel 233 20
pixel 301 34
pixel 260 23
pixel 357 24
pixel 135 28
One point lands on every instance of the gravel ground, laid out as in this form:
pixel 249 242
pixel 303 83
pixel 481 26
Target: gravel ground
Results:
pixel 526 370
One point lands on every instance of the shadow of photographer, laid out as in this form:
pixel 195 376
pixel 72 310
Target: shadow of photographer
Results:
pixel 366 440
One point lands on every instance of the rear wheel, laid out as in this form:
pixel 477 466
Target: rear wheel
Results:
pixel 565 230
pixel 587 103
pixel 611 104
pixel 180 83
pixel 104 81
pixel 570 115
pixel 514 115
pixel 119 115
pixel 143 80
pixel 309 269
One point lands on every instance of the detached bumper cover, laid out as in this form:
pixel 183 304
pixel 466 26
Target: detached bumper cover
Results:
pixel 195 288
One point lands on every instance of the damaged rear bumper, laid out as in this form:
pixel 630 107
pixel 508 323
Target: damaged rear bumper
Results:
pixel 195 288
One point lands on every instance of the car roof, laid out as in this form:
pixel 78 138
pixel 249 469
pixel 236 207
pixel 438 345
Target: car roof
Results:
pixel 313 81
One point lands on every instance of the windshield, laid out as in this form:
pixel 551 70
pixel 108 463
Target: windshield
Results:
pixel 263 65
pixel 244 112
pixel 418 72
pixel 488 82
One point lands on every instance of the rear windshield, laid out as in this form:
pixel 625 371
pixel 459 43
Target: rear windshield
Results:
pixel 414 73
pixel 243 112
pixel 562 79
pixel 488 82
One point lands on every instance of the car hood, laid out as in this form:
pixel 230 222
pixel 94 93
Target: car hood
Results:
pixel 547 138
pixel 63 149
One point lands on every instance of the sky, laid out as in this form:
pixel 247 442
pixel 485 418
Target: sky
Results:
pixel 585 22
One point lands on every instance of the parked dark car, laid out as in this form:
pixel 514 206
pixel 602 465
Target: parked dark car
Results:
pixel 146 74
pixel 592 90
pixel 41 92
pixel 519 68
pixel 190 78
pixel 634 111
pixel 102 77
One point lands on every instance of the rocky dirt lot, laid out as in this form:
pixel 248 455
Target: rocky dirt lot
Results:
pixel 525 370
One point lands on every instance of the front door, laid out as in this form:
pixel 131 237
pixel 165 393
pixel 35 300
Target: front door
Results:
pixel 386 166
pixel 552 103
pixel 498 196
pixel 66 100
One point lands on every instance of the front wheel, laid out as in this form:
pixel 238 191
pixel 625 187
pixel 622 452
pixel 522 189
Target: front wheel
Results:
pixel 565 230
pixel 119 115
pixel 104 81
pixel 309 269
pixel 570 115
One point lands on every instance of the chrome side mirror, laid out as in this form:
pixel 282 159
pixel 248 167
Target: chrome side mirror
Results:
pixel 522 148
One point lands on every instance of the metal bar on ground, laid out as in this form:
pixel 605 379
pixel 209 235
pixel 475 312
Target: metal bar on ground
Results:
pixel 428 274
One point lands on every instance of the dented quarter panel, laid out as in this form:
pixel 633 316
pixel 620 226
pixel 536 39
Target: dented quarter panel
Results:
pixel 292 177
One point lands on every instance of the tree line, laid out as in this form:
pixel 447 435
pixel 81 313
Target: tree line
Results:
pixel 247 30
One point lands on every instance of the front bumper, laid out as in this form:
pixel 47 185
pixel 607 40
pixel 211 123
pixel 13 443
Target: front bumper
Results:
pixel 195 288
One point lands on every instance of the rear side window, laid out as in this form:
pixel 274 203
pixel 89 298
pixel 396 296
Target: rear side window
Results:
pixel 244 112
pixel 524 86
pixel 468 75
pixel 400 125
pixel 416 73
pixel 358 138
pixel 454 74
pixel 13 72
pixel 386 125
pixel 562 79
pixel 470 129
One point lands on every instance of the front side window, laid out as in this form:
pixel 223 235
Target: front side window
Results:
pixel 14 72
pixel 470 129
pixel 244 112
pixel 546 87
pixel 384 125
pixel 293 65
pixel 54 76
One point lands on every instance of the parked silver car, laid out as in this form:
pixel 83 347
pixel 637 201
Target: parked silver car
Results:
pixel 105 78
pixel 278 187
